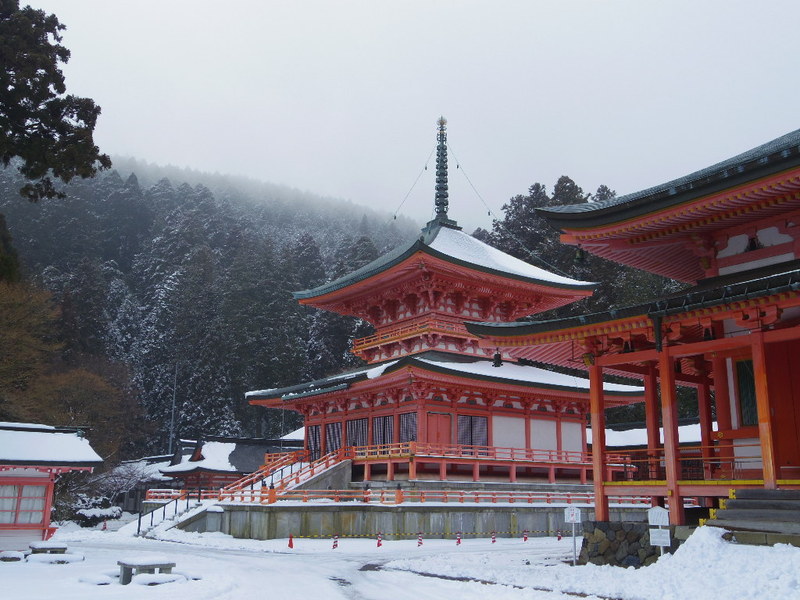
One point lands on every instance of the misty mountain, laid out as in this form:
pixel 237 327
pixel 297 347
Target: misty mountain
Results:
pixel 190 282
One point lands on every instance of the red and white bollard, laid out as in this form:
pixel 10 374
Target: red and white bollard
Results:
pixel 525 536
pixel 291 541
pixel 558 535
pixel 458 539
pixel 419 539
pixel 105 524
pixel 494 537
pixel 335 542
pixel 380 539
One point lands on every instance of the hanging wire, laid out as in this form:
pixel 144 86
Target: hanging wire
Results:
pixel 528 251
pixel 413 185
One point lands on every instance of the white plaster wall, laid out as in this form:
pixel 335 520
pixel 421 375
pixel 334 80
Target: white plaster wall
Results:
pixel 543 435
pixel 772 260
pixel 571 436
pixel 748 456
pixel 508 432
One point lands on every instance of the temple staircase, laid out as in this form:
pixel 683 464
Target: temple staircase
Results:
pixel 279 464
pixel 282 472
pixel 759 516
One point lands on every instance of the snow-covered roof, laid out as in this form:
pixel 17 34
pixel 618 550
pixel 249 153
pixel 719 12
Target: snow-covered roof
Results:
pixel 455 246
pixel 456 364
pixel 297 434
pixel 35 444
pixel 228 455
pixel 216 457
pixel 515 372
pixel 463 247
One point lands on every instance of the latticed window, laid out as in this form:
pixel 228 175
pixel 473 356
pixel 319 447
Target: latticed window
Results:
pixel 473 431
pixel 408 427
pixel 313 442
pixel 357 434
pixel 333 436
pixel 747 392
pixel 22 504
pixel 383 430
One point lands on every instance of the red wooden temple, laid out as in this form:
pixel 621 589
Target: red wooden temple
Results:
pixel 432 403
pixel 731 231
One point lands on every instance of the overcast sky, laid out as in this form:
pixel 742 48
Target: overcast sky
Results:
pixel 341 98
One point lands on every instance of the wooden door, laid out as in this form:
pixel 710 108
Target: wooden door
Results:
pixel 439 428
pixel 783 373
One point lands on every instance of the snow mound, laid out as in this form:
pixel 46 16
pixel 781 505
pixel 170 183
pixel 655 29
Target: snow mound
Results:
pixel 96 579
pixel 55 559
pixel 156 578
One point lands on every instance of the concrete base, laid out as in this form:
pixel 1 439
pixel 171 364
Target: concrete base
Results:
pixel 264 522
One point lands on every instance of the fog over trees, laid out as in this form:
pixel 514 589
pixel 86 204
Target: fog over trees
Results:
pixel 133 285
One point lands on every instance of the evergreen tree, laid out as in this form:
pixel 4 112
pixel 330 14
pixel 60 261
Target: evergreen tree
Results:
pixel 49 132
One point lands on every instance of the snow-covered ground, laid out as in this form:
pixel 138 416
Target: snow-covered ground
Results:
pixel 705 568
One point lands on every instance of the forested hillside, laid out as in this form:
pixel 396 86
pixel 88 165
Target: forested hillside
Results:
pixel 140 291
pixel 173 289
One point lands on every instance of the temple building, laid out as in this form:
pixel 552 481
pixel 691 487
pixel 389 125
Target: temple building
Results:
pixel 732 232
pixel 431 402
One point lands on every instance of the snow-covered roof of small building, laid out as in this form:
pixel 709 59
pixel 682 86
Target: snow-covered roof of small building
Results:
pixel 454 246
pixel 36 444
pixel 453 364
pixel 226 455
pixel 297 434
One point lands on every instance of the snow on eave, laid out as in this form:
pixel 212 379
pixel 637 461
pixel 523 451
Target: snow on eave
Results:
pixel 528 375
pixel 467 249
pixel 43 445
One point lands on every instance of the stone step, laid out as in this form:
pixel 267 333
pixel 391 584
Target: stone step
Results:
pixel 762 494
pixel 748 504
pixel 758 514
pixel 762 538
pixel 780 527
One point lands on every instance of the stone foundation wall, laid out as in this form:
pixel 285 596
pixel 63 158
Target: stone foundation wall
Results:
pixel 403 521
pixel 622 544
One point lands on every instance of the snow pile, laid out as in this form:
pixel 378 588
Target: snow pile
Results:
pixel 771 572
pixel 112 512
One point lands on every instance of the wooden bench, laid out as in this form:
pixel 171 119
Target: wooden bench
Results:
pixel 48 548
pixel 130 567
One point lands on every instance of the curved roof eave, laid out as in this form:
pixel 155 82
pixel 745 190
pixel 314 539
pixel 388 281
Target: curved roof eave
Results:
pixel 772 157
pixel 423 244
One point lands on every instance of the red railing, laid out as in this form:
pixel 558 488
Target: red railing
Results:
pixel 173 494
pixel 459 451
pixel 399 333
pixel 273 463
pixel 724 461
pixel 394 497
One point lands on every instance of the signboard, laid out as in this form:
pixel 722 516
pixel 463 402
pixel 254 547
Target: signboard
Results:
pixel 659 537
pixel 658 517
pixel 572 514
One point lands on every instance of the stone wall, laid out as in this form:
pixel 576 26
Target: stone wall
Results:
pixel 623 544
pixel 402 521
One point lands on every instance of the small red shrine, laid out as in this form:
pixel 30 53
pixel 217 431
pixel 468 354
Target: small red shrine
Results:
pixel 32 457
pixel 431 402
pixel 732 231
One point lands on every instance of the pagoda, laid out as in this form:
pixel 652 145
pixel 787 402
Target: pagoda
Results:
pixel 431 402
